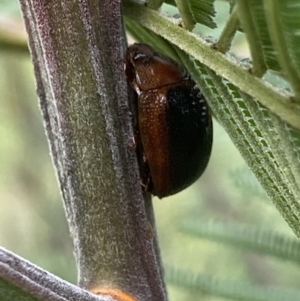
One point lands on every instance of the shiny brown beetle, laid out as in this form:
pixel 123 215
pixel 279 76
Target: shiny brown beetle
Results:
pixel 174 121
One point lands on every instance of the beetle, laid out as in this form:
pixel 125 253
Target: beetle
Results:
pixel 174 121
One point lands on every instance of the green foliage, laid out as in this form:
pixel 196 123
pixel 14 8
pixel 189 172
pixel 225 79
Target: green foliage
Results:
pixel 265 141
pixel 228 289
pixel 203 11
pixel 251 238
pixel 250 110
pixel 257 134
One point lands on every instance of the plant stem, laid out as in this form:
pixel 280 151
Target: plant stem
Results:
pixel 279 40
pixel 186 14
pixel 78 50
pixel 227 35
pixel 245 16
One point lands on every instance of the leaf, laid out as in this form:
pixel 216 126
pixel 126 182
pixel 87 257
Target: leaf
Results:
pixel 290 21
pixel 272 30
pixel 228 289
pixel 203 11
pixel 254 24
pixel 264 241
pixel 252 130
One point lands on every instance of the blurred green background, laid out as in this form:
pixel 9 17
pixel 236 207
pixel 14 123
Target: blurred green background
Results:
pixel 32 219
